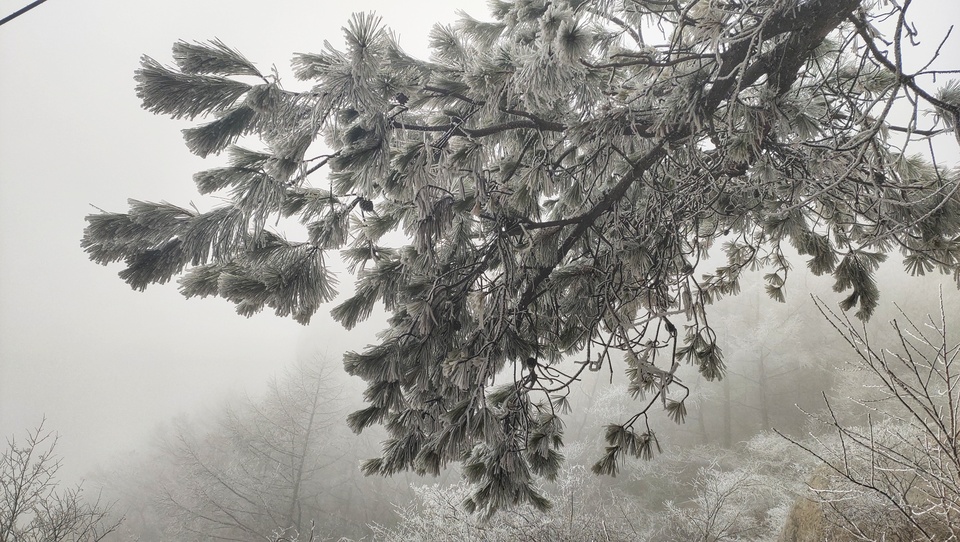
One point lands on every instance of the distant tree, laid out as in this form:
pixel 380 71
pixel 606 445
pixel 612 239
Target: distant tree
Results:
pixel 263 472
pixel 280 466
pixel 130 482
pixel 32 506
pixel 778 357
pixel 558 175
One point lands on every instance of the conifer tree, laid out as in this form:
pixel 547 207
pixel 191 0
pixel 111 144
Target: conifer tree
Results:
pixel 558 175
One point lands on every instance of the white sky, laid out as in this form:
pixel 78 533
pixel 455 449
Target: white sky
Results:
pixel 104 363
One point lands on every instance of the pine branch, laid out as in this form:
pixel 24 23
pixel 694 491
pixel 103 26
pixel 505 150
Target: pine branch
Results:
pixel 180 95
pixel 212 57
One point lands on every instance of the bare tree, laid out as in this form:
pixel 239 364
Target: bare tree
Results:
pixel 32 507
pixel 902 464
pixel 279 467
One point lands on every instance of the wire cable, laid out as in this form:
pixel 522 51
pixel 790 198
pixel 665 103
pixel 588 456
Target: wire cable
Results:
pixel 21 11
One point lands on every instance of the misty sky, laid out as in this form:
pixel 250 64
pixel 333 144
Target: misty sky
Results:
pixel 105 364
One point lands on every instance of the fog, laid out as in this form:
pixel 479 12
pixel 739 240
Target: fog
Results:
pixel 104 365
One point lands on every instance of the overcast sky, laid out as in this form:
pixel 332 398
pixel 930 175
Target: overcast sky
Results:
pixel 105 364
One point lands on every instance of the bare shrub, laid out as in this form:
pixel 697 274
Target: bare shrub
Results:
pixel 33 508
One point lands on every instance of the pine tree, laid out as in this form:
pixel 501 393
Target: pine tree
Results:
pixel 558 175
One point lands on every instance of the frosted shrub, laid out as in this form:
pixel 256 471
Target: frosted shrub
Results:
pixel 582 510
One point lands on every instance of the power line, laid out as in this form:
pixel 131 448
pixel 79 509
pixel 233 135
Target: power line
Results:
pixel 21 11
